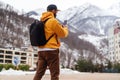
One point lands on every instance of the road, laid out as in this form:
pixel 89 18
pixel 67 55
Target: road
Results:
pixel 80 76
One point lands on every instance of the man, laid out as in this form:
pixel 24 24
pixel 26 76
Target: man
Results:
pixel 48 55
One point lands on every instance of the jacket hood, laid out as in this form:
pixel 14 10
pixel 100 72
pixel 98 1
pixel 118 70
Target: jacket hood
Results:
pixel 47 15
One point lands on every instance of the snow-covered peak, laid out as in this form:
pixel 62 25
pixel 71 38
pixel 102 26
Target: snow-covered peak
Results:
pixel 96 40
pixel 86 10
pixel 67 14
pixel 36 13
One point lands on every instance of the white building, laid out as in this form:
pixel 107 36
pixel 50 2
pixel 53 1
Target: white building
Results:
pixel 21 57
pixel 114 42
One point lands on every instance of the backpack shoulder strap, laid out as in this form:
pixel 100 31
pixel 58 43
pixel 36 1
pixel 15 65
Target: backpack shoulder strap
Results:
pixel 50 37
pixel 52 34
pixel 45 21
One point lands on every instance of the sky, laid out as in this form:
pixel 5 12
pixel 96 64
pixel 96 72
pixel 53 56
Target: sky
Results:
pixel 28 5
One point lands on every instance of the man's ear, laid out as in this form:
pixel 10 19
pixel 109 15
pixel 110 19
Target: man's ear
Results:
pixel 53 10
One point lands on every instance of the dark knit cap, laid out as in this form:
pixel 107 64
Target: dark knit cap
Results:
pixel 52 7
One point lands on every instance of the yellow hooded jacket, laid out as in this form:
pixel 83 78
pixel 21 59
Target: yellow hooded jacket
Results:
pixel 52 26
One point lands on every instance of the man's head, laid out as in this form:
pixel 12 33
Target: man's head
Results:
pixel 52 8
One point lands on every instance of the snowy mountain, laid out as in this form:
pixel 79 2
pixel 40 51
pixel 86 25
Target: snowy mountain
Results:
pixel 83 11
pixel 88 25
pixel 86 18
pixel 36 14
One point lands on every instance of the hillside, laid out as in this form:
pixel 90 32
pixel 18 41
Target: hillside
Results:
pixel 13 27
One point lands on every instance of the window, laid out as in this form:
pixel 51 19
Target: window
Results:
pixel 8 52
pixel 17 53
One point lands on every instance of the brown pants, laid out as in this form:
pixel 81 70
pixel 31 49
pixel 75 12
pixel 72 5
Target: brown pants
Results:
pixel 50 59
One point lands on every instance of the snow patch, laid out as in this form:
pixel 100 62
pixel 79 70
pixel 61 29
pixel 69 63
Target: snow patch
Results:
pixel 19 72
pixel 92 39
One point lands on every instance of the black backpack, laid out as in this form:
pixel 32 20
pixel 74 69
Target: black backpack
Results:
pixel 37 33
